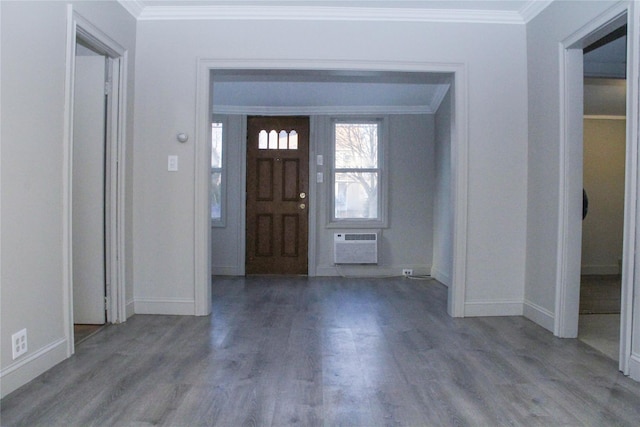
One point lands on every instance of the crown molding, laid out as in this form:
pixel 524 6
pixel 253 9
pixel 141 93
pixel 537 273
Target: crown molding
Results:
pixel 318 13
pixel 532 8
pixel 134 7
pixel 320 110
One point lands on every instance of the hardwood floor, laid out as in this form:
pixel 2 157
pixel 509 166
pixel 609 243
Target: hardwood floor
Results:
pixel 327 351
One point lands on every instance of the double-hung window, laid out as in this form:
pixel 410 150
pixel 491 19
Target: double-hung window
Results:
pixel 217 174
pixel 358 197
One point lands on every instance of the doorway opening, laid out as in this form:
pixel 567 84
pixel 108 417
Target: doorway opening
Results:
pixel 217 79
pixel 89 197
pixel 94 185
pixel 604 151
pixel 570 190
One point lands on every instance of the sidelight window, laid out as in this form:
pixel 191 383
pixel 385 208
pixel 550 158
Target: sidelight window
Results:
pixel 217 176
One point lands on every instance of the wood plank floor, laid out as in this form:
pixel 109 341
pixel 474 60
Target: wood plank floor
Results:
pixel 327 351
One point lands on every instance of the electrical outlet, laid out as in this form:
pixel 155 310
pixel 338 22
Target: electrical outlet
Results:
pixel 19 343
pixel 407 272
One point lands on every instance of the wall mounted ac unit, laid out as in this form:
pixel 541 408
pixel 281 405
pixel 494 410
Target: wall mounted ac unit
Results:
pixel 355 248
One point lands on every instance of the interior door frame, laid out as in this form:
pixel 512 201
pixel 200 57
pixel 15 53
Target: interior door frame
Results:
pixel 570 180
pixel 79 28
pixel 202 152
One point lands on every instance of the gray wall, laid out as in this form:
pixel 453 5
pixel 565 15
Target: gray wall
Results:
pixel 34 41
pixel 406 243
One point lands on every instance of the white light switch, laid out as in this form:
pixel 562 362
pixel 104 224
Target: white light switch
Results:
pixel 319 160
pixel 319 177
pixel 173 164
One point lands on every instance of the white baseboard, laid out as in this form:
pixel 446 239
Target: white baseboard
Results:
pixel 370 270
pixel 170 306
pixel 600 270
pixel 226 270
pixel 634 367
pixel 130 308
pixel 493 308
pixel 539 315
pixel 441 276
pixel 29 367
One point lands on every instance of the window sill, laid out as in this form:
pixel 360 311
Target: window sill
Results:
pixel 354 224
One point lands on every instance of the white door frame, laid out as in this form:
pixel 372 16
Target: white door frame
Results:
pixel 459 162
pixel 570 183
pixel 80 28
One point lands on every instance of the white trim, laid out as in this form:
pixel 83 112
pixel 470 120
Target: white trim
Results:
pixel 130 308
pixel 634 367
pixel 323 13
pixel 202 194
pixel 539 315
pixel 570 183
pixel 493 308
pixel 262 110
pixel 167 306
pixel 79 27
pixel 441 276
pixel 630 307
pixel 460 190
pixel 603 117
pixel 532 8
pixel 134 7
pixel 31 366
pixel 436 100
pixel 459 157
pixel 226 270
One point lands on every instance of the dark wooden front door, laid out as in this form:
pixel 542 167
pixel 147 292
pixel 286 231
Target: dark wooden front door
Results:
pixel 277 195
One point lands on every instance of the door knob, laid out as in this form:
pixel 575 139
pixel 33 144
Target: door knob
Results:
pixel 303 195
pixel 302 206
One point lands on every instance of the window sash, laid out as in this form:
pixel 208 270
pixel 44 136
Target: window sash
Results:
pixel 356 213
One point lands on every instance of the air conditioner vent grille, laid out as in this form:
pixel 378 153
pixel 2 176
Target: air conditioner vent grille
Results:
pixel 360 236
pixel 355 248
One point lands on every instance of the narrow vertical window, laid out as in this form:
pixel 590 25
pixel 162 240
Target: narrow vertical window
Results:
pixel 216 172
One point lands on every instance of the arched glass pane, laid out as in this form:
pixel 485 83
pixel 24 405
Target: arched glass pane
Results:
pixel 293 140
pixel 262 140
pixel 282 140
pixel 273 140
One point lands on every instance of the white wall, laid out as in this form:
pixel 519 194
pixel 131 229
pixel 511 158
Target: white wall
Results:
pixel 34 42
pixel 442 268
pixel 495 61
pixel 604 168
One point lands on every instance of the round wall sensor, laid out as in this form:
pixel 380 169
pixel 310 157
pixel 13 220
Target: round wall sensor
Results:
pixel 183 137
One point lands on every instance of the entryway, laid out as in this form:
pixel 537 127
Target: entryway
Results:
pixel 277 206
